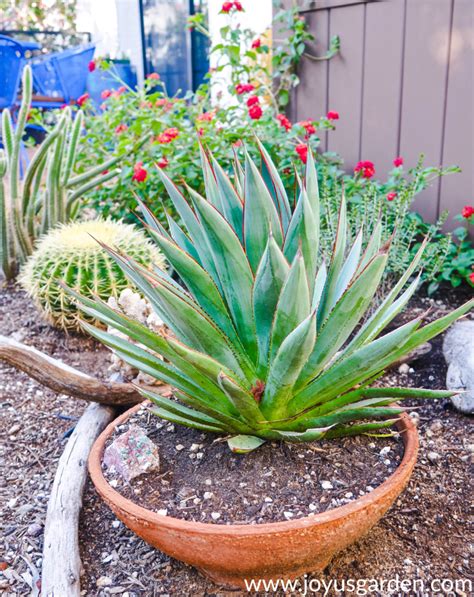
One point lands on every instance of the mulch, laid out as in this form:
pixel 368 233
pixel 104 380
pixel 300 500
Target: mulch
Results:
pixel 424 536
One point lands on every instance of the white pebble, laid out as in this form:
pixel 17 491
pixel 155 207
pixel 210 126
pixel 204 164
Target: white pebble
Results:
pixel 288 515
pixel 215 515
pixel 179 447
pixel 116 524
pixel 313 507
pixel 268 500
pixel 163 512
pixel 208 495
pixel 384 451
pixel 194 448
pixel 326 485
pixel 208 482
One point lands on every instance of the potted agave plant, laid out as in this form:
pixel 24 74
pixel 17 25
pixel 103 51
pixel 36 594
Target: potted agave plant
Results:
pixel 269 343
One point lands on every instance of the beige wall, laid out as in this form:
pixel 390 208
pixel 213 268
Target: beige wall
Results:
pixel 403 84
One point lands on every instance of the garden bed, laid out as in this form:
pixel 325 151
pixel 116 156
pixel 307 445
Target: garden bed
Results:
pixel 421 537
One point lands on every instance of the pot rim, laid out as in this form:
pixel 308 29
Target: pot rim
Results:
pixel 405 426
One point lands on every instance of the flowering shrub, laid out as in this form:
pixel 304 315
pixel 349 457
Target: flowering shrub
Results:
pixel 181 125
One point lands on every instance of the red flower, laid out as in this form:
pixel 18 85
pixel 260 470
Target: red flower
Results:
pixel 284 122
pixel 391 196
pixel 227 7
pixel 82 99
pixel 167 135
pixel 256 43
pixel 366 168
pixel 121 128
pixel 105 94
pixel 333 115
pixel 308 126
pixel 238 143
pixel 206 116
pixel 471 278
pixel 238 6
pixel 242 88
pixel 467 211
pixel 91 66
pixel 255 112
pixel 104 172
pixel 398 162
pixel 162 163
pixel 302 151
pixel 253 100
pixel 153 77
pixel 139 173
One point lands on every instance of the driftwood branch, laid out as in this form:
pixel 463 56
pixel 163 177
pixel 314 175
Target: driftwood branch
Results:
pixel 61 566
pixel 64 379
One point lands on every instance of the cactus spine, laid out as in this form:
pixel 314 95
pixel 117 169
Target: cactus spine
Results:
pixel 49 192
pixel 71 253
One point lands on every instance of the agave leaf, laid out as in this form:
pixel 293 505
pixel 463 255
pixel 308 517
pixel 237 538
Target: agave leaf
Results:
pixel 260 215
pixel 233 208
pixel 269 279
pixel 347 372
pixel 275 185
pixel 319 284
pixel 151 221
pixel 349 268
pixel 347 416
pixel 243 444
pixel 343 318
pixel 234 271
pixel 310 435
pixel 303 233
pixel 239 176
pixel 185 421
pixel 389 309
pixel 182 240
pixel 348 430
pixel 176 408
pixel 191 222
pixel 312 188
pixel 328 300
pixel 243 401
pixel 373 246
pixel 212 192
pixel 290 312
pixel 286 367
pixel 201 286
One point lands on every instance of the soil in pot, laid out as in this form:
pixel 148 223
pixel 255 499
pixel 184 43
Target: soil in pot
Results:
pixel 201 480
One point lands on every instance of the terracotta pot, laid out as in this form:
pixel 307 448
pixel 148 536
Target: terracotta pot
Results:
pixel 228 554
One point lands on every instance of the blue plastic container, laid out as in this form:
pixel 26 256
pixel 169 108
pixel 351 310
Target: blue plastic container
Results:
pixel 11 64
pixel 63 74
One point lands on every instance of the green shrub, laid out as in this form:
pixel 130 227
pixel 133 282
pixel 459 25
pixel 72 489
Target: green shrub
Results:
pixel 71 254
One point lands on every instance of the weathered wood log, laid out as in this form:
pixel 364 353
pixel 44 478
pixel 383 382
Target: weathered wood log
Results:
pixel 61 566
pixel 64 379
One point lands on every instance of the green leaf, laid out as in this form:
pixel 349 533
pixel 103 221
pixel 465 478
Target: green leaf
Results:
pixel 243 444
pixel 243 401
pixel 269 279
pixel 275 185
pixel 234 271
pixel 343 318
pixel 260 215
pixel 286 367
pixel 290 312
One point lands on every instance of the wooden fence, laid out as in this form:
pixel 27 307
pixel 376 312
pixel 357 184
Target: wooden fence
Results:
pixel 403 83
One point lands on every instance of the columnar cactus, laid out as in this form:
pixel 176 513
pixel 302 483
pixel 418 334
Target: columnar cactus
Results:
pixel 49 192
pixel 71 253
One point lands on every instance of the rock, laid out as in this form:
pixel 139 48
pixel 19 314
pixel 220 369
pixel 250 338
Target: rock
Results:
pixel 103 581
pixel 215 515
pixel 436 426
pixel 34 529
pixel 433 456
pixel 132 454
pixel 404 368
pixel 326 485
pixel 458 349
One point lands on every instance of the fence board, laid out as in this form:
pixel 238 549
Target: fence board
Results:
pixel 311 97
pixel 345 81
pixel 382 79
pixel 424 85
pixel 458 190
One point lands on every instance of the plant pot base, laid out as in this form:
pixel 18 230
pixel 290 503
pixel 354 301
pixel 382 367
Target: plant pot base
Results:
pixel 230 554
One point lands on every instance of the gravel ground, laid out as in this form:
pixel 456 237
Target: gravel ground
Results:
pixel 425 536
